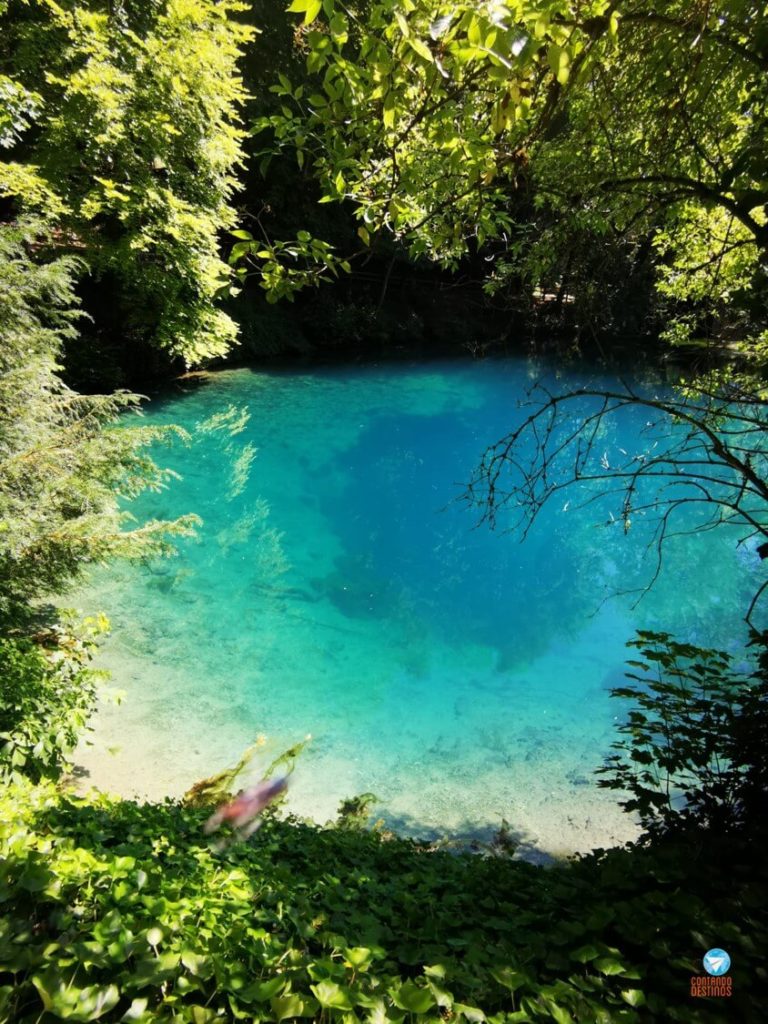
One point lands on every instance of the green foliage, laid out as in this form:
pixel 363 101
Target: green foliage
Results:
pixel 401 115
pixel 694 747
pixel 46 694
pixel 18 109
pixel 64 464
pixel 285 268
pixel 133 146
pixel 117 911
pixel 355 811
pixel 588 147
pixel 658 159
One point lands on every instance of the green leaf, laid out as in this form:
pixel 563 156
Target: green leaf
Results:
pixel 409 996
pixel 312 12
pixel 436 971
pixel 135 1011
pixel 508 977
pixel 360 957
pixel 388 115
pixel 263 991
pixel 443 997
pixel 310 8
pixel 35 878
pixel 198 964
pixel 560 61
pixel 338 29
pixel 559 1014
pixel 472 1013
pixel 332 996
pixel 585 953
pixel 633 996
pixel 201 1014
pixel 238 250
pixel 608 965
pixel 292 1005
pixel 69 1002
pixel 421 48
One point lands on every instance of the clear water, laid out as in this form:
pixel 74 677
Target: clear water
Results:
pixel 338 588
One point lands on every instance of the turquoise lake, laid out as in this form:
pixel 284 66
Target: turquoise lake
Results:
pixel 339 587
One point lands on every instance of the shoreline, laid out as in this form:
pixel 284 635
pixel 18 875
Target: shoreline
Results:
pixel 546 822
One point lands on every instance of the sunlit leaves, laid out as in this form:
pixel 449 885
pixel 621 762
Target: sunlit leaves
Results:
pixel 658 145
pixel 420 111
pixel 69 1002
pixel 136 126
pixel 285 268
pixel 559 61
pixel 601 123
pixel 19 107
pixel 421 49
pixel 63 469
pixel 309 8
pixel 705 253
pixel 261 933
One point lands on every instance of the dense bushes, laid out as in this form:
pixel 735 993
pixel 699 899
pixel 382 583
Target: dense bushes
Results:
pixel 127 139
pixel 118 911
pixel 64 466
pixel 46 694
pixel 64 463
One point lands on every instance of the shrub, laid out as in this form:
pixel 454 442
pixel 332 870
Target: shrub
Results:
pixel 46 695
pixel 693 752
pixel 115 911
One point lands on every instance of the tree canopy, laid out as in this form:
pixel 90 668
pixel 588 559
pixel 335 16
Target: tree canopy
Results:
pixel 122 127
pixel 63 464
pixel 523 129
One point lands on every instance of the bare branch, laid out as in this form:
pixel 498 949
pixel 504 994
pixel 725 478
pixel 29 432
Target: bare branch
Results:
pixel 705 448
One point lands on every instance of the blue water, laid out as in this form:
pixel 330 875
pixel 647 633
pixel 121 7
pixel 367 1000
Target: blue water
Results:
pixel 339 587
